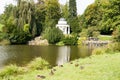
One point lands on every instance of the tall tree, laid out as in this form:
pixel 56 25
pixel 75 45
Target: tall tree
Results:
pixel 53 13
pixel 73 19
pixel 25 15
pixel 40 12
pixel 72 8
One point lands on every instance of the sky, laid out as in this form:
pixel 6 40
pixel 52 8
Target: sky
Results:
pixel 81 4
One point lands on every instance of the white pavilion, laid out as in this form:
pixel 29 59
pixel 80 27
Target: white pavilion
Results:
pixel 63 26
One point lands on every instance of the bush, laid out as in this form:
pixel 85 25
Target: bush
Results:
pixel 98 51
pixel 10 70
pixel 110 48
pixel 93 32
pixel 38 63
pixel 116 34
pixel 53 35
pixel 80 40
pixel 84 33
pixel 70 40
pixel 20 37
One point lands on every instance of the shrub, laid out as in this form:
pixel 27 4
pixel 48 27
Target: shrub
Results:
pixel 20 37
pixel 10 70
pixel 53 35
pixel 84 33
pixel 112 47
pixel 95 33
pixel 116 34
pixel 80 40
pixel 38 63
pixel 98 51
pixel 70 40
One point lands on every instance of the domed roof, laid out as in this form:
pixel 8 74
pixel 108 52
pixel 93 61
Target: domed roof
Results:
pixel 62 21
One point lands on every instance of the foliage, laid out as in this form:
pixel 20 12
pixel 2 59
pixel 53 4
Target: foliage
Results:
pixel 38 64
pixel 26 28
pixel 116 34
pixel 40 13
pixel 90 32
pixel 73 19
pixel 20 37
pixel 102 14
pixel 10 70
pixel 61 43
pixel 80 40
pixel 1 27
pixel 72 8
pixel 84 33
pixel 70 40
pixel 114 47
pixel 95 34
pixel 98 51
pixel 53 35
pixel 65 11
pixel 110 48
pixel 53 13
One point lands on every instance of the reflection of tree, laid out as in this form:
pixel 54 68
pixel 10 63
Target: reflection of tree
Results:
pixel 63 55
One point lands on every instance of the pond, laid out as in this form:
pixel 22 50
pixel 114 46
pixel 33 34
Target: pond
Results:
pixel 55 55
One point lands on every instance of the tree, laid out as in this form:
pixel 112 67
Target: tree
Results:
pixel 65 11
pixel 53 13
pixel 40 13
pixel 73 19
pixel 8 18
pixel 25 15
pixel 111 17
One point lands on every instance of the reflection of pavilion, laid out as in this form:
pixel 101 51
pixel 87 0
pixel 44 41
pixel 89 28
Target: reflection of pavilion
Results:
pixel 63 55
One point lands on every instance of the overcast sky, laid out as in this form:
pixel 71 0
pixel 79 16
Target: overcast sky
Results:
pixel 81 4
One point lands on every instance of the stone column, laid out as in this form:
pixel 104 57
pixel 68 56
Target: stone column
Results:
pixel 68 30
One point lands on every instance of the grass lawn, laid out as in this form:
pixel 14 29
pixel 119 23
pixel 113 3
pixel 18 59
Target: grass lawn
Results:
pixel 105 37
pixel 96 67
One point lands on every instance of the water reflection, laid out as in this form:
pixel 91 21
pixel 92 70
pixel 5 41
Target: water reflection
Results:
pixel 55 55
pixel 63 55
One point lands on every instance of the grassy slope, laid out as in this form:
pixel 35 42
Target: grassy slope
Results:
pixel 101 67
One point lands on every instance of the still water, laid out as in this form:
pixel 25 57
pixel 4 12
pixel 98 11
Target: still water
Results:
pixel 55 55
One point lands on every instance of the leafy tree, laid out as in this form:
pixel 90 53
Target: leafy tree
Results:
pixel 53 13
pixel 65 11
pixel 111 18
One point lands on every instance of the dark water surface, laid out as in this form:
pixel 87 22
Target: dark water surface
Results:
pixel 55 55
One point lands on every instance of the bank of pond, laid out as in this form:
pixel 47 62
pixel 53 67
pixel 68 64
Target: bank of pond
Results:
pixel 95 67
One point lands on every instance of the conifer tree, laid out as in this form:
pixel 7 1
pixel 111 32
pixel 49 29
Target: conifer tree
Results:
pixel 73 19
